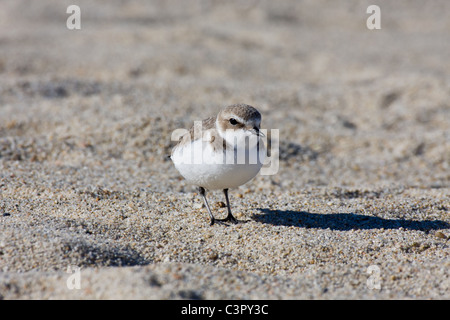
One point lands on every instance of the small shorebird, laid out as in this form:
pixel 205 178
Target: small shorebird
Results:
pixel 221 152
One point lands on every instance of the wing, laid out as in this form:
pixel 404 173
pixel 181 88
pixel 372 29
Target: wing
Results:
pixel 196 131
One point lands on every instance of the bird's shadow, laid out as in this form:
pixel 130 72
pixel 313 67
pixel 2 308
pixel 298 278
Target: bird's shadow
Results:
pixel 343 221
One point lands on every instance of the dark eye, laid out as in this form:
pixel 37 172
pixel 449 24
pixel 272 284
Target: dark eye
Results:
pixel 233 121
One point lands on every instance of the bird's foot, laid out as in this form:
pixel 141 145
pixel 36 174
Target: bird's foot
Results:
pixel 228 219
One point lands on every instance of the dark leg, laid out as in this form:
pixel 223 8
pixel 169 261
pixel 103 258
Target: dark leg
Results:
pixel 229 216
pixel 203 194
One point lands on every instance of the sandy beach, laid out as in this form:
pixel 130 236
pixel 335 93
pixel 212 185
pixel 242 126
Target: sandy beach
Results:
pixel 91 207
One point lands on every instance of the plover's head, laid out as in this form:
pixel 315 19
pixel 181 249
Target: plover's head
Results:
pixel 238 121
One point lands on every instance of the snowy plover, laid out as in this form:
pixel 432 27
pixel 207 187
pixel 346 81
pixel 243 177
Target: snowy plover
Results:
pixel 221 152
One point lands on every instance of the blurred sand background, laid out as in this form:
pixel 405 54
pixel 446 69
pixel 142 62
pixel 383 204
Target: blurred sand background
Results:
pixel 86 118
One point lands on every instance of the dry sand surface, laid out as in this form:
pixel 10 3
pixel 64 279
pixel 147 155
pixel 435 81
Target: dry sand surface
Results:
pixel 360 206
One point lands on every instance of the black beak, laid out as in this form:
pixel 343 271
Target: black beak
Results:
pixel 257 132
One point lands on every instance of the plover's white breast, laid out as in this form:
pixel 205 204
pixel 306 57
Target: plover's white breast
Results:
pixel 200 164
